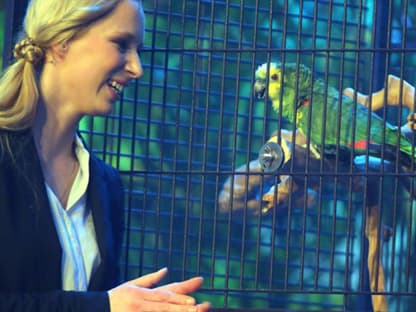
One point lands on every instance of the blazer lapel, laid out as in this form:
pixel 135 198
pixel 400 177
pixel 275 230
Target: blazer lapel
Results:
pixel 99 203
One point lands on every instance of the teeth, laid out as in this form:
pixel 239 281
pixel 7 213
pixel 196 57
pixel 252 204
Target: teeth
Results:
pixel 116 86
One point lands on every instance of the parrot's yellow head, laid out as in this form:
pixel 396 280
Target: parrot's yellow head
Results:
pixel 287 86
pixel 268 82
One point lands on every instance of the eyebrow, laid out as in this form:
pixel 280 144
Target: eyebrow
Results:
pixel 130 37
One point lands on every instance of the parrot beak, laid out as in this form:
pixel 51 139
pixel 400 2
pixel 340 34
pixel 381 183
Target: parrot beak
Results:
pixel 260 89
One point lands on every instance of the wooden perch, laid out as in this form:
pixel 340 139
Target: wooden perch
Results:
pixel 375 266
pixel 390 96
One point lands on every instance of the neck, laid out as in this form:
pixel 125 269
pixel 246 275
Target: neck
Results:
pixel 54 136
pixel 54 132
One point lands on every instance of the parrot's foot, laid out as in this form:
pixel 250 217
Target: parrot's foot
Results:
pixel 279 197
pixel 276 196
pixel 267 203
pixel 411 122
pixel 395 88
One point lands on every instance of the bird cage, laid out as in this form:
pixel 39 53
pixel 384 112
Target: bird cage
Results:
pixel 222 183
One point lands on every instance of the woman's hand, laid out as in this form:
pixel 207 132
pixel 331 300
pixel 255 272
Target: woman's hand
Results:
pixel 137 295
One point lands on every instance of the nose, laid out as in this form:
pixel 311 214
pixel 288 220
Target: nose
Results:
pixel 134 65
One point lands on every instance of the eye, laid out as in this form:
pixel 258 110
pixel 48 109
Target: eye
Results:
pixel 274 77
pixel 122 45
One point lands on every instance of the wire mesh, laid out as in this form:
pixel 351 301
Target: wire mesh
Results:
pixel 182 130
pixel 188 124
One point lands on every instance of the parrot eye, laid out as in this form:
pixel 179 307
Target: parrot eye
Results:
pixel 275 77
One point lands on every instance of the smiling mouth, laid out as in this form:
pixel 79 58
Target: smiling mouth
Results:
pixel 116 86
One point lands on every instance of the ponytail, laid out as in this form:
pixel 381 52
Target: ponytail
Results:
pixel 18 88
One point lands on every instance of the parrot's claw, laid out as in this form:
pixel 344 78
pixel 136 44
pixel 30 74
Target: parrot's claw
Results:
pixel 411 121
pixel 267 203
pixel 265 208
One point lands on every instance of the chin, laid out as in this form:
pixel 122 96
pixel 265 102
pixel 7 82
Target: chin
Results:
pixel 102 111
pixel 105 108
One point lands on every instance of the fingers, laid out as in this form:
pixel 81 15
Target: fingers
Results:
pixel 203 307
pixel 150 279
pixel 128 297
pixel 163 295
pixel 184 287
pixel 137 295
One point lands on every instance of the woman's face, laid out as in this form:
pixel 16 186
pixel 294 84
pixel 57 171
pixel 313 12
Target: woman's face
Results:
pixel 94 68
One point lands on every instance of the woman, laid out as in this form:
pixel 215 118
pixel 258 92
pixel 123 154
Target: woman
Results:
pixel 61 208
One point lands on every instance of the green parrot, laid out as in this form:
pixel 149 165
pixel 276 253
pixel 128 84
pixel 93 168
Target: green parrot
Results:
pixel 333 122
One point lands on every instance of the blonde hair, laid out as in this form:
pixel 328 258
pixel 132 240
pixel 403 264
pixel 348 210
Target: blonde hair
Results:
pixel 46 22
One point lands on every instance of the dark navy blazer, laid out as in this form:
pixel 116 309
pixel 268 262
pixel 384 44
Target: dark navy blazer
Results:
pixel 30 252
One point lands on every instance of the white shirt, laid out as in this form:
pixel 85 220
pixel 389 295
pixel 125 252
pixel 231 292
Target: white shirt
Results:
pixel 75 228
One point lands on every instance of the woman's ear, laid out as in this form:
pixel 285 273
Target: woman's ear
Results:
pixel 64 46
pixel 59 50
